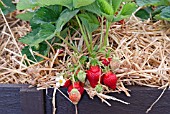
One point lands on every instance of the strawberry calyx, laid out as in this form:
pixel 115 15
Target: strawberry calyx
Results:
pixel 76 85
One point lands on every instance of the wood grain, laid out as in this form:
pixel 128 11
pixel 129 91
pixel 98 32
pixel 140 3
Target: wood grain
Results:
pixel 140 100
pixel 19 99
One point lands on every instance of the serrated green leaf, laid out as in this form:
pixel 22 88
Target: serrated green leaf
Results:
pixel 105 7
pixel 45 32
pixel 64 17
pixel 80 3
pixel 26 4
pixel 152 2
pixel 144 13
pixel 116 4
pixel 126 11
pixel 165 12
pixel 45 15
pixel 93 8
pixel 66 3
pixel 89 21
pixel 25 16
pixel 147 2
pixel 43 50
pixel 7 6
pixel 158 10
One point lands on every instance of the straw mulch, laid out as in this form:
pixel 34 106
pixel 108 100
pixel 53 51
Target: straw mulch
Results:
pixel 143 48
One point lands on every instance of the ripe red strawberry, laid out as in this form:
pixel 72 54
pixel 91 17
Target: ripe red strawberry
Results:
pixel 122 22
pixel 78 86
pixel 93 75
pixel 110 80
pixel 74 96
pixel 106 61
pixel 67 83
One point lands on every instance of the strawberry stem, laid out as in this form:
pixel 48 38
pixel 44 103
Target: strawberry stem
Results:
pixel 84 35
pixel 107 33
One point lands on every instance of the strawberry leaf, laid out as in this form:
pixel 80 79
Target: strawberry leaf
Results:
pixel 126 11
pixel 7 6
pixel 43 49
pixel 116 4
pixel 93 8
pixel 25 16
pixel 89 21
pixel 164 15
pixel 66 3
pixel 45 32
pixel 26 4
pixel 79 3
pixel 64 17
pixel 46 14
pixel 152 2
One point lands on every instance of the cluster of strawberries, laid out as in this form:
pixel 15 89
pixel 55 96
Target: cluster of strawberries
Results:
pixel 95 77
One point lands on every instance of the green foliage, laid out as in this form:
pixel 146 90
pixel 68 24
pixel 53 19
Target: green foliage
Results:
pixel 105 7
pixel 93 8
pixel 80 3
pixel 44 32
pixel 153 2
pixel 25 16
pixel 64 17
pixel 161 11
pixel 147 2
pixel 164 15
pixel 116 4
pixel 49 18
pixel 144 13
pixel 126 11
pixel 46 15
pixel 42 49
pixel 26 4
pixel 7 6
pixel 89 21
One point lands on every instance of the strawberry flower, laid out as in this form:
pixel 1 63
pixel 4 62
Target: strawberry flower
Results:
pixel 60 81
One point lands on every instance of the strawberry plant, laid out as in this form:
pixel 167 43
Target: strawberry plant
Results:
pixel 50 22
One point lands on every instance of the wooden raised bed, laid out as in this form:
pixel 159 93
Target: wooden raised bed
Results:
pixel 140 100
pixel 19 99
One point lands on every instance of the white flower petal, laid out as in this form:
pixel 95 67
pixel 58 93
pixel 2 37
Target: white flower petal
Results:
pixel 57 85
pixel 63 82
pixel 57 79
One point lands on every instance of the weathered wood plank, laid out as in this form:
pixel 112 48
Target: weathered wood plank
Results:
pixel 32 101
pixel 18 99
pixel 141 98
